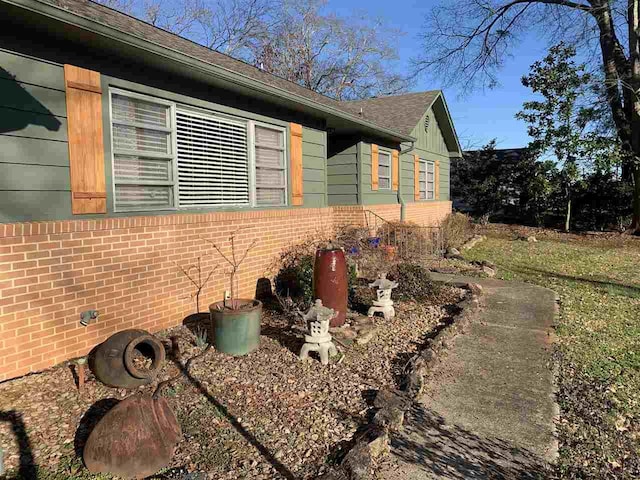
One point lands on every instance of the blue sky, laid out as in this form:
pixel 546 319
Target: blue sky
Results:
pixel 480 115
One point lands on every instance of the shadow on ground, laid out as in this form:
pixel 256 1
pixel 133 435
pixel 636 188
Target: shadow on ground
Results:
pixel 433 449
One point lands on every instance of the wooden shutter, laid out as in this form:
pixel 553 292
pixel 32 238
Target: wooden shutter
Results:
pixel 374 166
pixel 395 169
pixel 86 146
pixel 436 180
pixel 416 177
pixel 296 164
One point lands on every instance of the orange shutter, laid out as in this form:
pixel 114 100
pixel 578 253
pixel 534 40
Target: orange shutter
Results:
pixel 436 180
pixel 297 197
pixel 86 147
pixel 374 166
pixel 416 177
pixel 395 169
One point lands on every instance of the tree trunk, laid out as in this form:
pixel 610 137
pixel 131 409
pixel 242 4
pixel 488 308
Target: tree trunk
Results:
pixel 634 60
pixel 567 221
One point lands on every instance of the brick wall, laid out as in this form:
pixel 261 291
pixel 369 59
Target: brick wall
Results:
pixel 428 213
pixel 422 213
pixel 126 268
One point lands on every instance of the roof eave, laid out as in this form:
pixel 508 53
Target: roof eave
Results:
pixel 197 65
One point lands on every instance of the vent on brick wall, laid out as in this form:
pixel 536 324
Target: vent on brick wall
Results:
pixel 213 161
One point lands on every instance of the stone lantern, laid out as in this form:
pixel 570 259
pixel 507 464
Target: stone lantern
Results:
pixel 383 304
pixel 318 339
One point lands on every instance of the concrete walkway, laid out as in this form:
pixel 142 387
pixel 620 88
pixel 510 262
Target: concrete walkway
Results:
pixel 488 408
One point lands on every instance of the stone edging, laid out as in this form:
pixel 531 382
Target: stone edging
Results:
pixel 391 405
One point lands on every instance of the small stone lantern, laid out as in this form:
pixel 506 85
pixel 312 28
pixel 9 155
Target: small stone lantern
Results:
pixel 319 339
pixel 383 304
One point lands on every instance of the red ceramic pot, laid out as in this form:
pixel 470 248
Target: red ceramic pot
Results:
pixel 330 282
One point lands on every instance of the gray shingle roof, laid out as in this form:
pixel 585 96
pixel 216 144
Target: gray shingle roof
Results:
pixel 397 112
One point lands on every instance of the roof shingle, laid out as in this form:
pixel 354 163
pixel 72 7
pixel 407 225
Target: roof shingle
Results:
pixel 399 113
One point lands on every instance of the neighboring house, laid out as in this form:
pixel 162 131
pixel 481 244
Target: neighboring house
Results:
pixel 122 145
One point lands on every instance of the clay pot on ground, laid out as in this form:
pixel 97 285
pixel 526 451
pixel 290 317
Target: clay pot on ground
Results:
pixel 127 359
pixel 135 439
pixel 236 331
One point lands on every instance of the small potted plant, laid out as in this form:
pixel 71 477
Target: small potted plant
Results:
pixel 235 322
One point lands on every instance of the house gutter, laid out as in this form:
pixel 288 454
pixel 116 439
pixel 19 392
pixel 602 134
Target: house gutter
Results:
pixel 403 206
pixel 195 64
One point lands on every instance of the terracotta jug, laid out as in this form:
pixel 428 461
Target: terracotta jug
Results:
pixel 330 282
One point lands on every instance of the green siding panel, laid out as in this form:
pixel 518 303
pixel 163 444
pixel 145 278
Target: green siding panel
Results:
pixel 31 151
pixel 346 169
pixel 30 70
pixel 314 200
pixel 342 173
pixel 314 187
pixel 34 206
pixel 15 176
pixel 431 140
pixel 314 167
pixel 343 189
pixel 313 149
pixel 369 196
pixel 33 125
pixel 311 135
pixel 336 199
pixel 343 159
pixel 32 98
pixel 312 175
pixel 341 179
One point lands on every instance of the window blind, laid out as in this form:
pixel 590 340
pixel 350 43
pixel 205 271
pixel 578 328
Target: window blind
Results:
pixel 213 162
pixel 271 175
pixel 142 153
pixel 384 171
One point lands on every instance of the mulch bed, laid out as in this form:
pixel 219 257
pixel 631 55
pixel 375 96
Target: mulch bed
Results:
pixel 262 416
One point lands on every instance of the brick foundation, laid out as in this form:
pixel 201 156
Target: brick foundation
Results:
pixel 126 269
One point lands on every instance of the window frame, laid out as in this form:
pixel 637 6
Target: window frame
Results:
pixel 253 165
pixel 388 177
pixel 427 164
pixel 173 157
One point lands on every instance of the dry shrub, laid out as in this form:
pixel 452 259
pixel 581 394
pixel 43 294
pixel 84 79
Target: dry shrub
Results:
pixel 456 229
pixel 371 259
pixel 410 239
pixel 414 283
pixel 293 269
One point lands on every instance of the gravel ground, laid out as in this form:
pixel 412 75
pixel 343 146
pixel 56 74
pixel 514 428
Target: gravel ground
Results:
pixel 262 416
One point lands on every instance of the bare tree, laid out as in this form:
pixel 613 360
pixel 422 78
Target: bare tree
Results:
pixel 468 41
pixel 344 58
pixel 229 26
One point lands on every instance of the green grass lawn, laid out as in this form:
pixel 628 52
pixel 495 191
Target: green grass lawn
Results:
pixel 598 347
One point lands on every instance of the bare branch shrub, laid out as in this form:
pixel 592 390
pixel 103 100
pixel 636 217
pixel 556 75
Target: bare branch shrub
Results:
pixel 456 229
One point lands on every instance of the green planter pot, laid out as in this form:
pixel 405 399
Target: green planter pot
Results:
pixel 236 332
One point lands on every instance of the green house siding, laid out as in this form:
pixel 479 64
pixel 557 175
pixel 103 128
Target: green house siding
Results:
pixel 429 145
pixel 369 196
pixel 314 167
pixel 34 164
pixel 342 173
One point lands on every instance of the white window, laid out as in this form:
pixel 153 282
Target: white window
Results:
pixel 271 172
pixel 172 156
pixel 384 170
pixel 427 184
pixel 143 155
